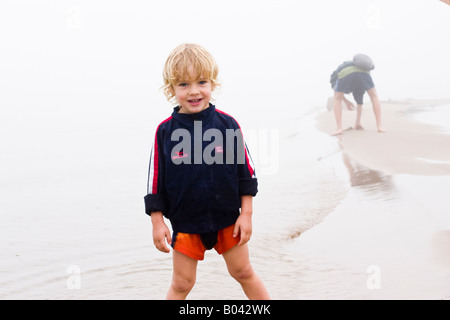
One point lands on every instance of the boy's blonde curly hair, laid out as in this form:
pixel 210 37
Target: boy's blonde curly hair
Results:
pixel 188 62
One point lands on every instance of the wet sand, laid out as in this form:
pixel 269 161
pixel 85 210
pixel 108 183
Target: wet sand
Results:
pixel 408 147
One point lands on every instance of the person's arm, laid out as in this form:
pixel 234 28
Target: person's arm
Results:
pixel 248 188
pixel 154 200
pixel 350 106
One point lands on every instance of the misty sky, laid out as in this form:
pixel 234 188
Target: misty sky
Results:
pixel 272 55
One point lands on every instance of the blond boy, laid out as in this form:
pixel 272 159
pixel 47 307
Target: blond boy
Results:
pixel 201 178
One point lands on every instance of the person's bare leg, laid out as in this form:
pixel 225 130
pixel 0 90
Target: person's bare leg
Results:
pixel 376 108
pixel 239 267
pixel 184 275
pixel 337 105
pixel 358 125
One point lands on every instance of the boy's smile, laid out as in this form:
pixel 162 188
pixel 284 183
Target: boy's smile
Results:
pixel 195 102
pixel 193 96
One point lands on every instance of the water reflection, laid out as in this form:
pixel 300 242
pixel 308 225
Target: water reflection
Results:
pixel 368 179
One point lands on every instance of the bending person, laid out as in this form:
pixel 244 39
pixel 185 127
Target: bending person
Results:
pixel 356 80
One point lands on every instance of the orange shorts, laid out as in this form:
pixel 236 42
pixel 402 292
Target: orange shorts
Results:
pixel 195 245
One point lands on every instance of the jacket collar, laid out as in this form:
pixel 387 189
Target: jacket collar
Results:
pixel 189 119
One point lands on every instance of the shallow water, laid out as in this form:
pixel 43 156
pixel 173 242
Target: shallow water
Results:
pixel 71 220
pixel 436 115
pixel 393 227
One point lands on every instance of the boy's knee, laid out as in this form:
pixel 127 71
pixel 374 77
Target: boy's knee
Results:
pixel 242 274
pixel 182 284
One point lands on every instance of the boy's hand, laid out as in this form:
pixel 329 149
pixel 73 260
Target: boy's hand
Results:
pixel 160 232
pixel 243 227
pixel 243 224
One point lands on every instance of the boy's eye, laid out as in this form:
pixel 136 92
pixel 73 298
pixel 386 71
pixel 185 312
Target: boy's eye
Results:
pixel 183 84
pixel 203 82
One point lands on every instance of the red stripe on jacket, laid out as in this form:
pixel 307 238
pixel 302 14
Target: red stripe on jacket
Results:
pixel 156 160
pixel 249 167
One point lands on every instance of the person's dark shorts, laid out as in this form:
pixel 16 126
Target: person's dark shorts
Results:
pixel 357 83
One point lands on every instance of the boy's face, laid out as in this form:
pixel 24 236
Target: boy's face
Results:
pixel 194 96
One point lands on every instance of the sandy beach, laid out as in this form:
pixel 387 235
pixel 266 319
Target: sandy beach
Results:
pixel 389 238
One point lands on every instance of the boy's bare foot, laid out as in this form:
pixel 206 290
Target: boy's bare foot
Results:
pixel 340 131
pixel 337 133
pixel 359 127
pixel 381 130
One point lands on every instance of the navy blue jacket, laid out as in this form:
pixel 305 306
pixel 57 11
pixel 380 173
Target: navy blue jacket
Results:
pixel 199 169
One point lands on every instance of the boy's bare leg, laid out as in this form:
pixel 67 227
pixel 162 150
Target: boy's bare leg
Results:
pixel 376 108
pixel 337 105
pixel 358 125
pixel 184 275
pixel 239 267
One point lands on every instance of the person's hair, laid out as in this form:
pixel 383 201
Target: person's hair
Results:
pixel 186 63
